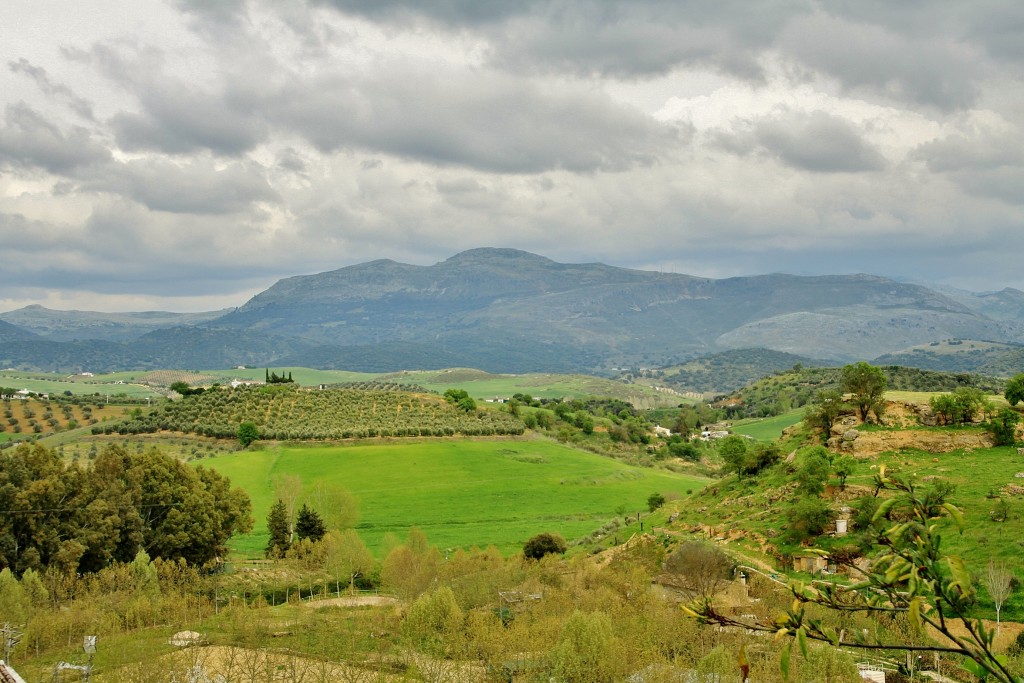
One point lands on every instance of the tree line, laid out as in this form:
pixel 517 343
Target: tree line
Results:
pixel 80 519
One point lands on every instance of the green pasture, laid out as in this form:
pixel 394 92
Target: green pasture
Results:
pixel 53 383
pixel 461 493
pixel 303 376
pixel 925 396
pixel 483 385
pixel 479 384
pixel 768 428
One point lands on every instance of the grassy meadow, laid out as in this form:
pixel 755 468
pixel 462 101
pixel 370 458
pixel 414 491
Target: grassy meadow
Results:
pixel 461 493
pixel 768 428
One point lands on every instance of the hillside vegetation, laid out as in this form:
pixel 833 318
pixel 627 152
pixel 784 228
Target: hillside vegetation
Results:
pixel 720 373
pixel 284 412
pixel 959 355
pixel 782 392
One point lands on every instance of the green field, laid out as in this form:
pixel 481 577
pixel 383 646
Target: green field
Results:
pixel 460 493
pixel 768 428
pixel 49 383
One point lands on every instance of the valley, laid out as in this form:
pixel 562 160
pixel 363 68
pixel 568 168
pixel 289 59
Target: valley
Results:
pixel 432 513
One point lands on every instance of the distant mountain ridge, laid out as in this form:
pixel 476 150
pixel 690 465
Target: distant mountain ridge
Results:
pixel 505 310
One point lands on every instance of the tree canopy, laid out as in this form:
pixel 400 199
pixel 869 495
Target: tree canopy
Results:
pixel 867 383
pixel 1015 389
pixel 83 519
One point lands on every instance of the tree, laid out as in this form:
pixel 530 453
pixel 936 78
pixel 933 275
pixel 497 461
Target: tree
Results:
pixel 280 534
pixel 998 580
pixel 310 524
pixel 184 389
pixel 700 568
pixel 1003 427
pixel 287 488
pixel 247 433
pixel 867 384
pixel 944 407
pixel 824 412
pixel 336 505
pixel 733 450
pixel 908 577
pixel 1015 389
pixel 655 501
pixel 544 544
pixel 347 556
pixel 807 518
pixel 585 652
pixel 813 470
pixel 843 466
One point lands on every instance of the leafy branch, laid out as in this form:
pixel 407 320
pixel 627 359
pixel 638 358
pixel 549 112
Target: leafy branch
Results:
pixel 910 576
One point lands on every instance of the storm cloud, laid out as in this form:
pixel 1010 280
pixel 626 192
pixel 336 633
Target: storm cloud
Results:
pixel 190 153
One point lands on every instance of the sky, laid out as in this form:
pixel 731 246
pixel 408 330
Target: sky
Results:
pixel 184 155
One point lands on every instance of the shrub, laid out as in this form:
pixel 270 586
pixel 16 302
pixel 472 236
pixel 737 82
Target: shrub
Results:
pixel 544 544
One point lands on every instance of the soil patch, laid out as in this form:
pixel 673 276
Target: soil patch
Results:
pixel 354 601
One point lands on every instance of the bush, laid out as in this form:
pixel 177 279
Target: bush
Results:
pixel 544 544
pixel 807 519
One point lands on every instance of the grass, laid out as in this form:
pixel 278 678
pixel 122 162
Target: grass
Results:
pixel 925 396
pixel 52 383
pixel 461 493
pixel 768 428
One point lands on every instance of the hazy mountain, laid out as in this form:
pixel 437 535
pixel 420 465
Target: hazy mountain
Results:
pixel 72 325
pixel 504 310
pixel 11 333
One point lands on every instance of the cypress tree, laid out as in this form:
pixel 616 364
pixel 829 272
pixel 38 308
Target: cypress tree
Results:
pixel 277 525
pixel 310 524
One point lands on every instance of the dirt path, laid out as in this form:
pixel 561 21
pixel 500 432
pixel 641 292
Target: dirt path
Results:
pixel 354 601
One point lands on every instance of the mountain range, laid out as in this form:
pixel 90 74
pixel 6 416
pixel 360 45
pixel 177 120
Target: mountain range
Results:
pixel 505 310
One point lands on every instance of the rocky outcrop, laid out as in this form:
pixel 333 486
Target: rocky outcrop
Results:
pixel 939 441
pixel 846 437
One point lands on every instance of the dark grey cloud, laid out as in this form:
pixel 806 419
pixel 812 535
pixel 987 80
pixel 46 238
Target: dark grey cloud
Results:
pixel 483 121
pixel 985 150
pixel 915 51
pixel 79 105
pixel 816 142
pixel 195 187
pixel 641 39
pixel 29 140
pixel 984 163
pixel 290 160
pixel 178 120
pixel 177 116
pixel 932 70
pixel 454 12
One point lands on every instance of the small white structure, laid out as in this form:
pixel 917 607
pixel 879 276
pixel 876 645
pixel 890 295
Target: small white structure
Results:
pixel 870 673
pixel 186 638
pixel 8 674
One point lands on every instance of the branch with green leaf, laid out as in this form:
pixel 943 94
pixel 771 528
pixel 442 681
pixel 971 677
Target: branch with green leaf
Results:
pixel 910 576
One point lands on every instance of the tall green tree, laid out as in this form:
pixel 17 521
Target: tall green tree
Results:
pixel 279 528
pixel 1015 389
pixel 247 433
pixel 733 450
pixel 867 383
pixel 310 524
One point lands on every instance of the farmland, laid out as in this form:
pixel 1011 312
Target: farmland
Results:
pixel 286 412
pixel 460 493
